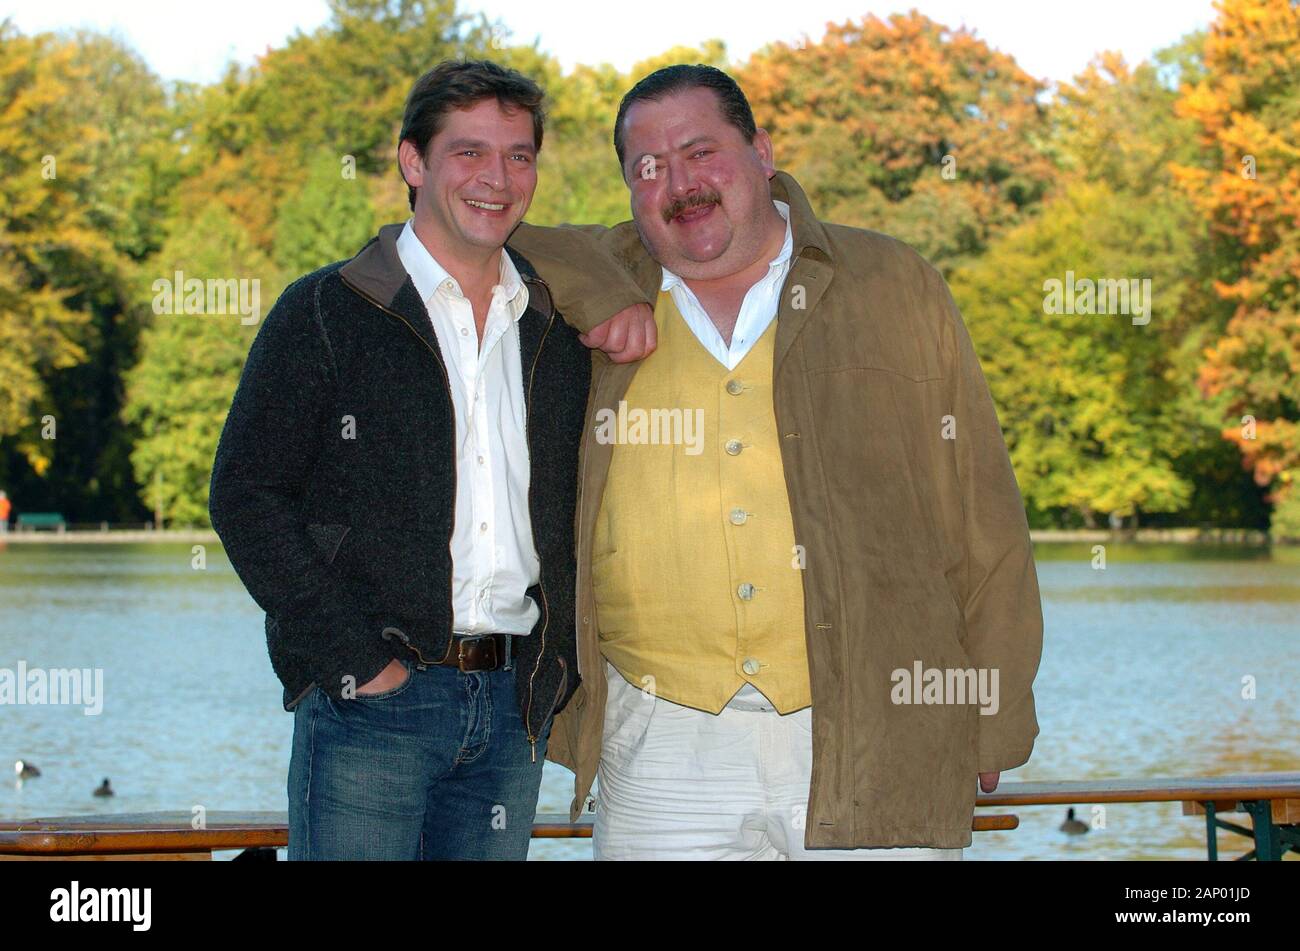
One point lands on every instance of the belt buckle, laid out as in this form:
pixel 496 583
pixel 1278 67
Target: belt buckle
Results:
pixel 460 653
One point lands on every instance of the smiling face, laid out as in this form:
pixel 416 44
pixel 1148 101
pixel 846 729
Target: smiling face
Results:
pixel 700 194
pixel 477 177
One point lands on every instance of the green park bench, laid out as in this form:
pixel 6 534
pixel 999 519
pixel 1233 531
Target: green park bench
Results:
pixel 35 521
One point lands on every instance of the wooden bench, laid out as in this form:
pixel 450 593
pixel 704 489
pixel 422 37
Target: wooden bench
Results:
pixel 1272 800
pixel 34 521
pixel 169 835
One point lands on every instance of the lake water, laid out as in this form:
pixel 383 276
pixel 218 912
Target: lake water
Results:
pixel 1142 675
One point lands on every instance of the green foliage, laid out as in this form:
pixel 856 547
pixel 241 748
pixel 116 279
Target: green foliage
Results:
pixel 86 170
pixel 1286 519
pixel 179 392
pixel 329 219
pixel 1089 426
pixel 579 180
pixel 901 125
pixel 47 248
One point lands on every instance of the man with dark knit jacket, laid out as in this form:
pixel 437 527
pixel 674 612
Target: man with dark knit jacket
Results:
pixel 396 486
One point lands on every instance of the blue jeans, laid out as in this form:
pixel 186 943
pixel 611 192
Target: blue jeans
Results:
pixel 439 767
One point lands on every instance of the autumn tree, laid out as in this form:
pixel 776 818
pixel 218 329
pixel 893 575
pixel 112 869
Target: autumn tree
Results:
pixel 87 167
pixel 1115 126
pixel 1247 108
pixel 908 127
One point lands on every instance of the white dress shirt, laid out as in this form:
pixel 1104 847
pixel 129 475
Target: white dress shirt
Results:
pixel 757 311
pixel 494 560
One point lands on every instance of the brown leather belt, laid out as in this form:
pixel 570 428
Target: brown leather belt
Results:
pixel 478 652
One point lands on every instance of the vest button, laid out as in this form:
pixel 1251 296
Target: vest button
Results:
pixel 739 516
pixel 733 447
pixel 746 591
pixel 735 387
pixel 751 666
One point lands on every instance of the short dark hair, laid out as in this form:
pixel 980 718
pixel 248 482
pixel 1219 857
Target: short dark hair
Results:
pixel 460 84
pixel 672 79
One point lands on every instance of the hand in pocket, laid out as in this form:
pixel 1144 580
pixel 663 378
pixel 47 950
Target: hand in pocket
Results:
pixel 390 678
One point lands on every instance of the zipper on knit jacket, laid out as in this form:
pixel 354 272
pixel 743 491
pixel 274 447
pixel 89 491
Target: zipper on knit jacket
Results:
pixel 532 512
pixel 532 740
pixel 446 379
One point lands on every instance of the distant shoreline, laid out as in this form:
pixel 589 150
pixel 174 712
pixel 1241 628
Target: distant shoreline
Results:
pixel 1182 536
pixel 95 537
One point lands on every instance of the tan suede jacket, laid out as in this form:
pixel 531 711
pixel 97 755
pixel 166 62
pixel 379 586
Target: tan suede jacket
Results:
pixel 919 576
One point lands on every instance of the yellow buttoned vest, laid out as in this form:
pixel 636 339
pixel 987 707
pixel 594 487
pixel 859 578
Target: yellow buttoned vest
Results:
pixel 694 566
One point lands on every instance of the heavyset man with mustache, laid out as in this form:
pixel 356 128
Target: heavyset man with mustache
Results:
pixel 742 613
pixel 396 485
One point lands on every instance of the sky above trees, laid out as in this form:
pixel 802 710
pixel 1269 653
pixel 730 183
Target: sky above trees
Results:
pixel 1049 39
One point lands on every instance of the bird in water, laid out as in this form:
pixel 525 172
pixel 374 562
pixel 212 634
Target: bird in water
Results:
pixel 104 788
pixel 26 770
pixel 1071 825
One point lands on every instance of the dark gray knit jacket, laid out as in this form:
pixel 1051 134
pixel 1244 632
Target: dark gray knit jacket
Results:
pixel 334 484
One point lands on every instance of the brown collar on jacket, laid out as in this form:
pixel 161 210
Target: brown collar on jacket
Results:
pixel 378 272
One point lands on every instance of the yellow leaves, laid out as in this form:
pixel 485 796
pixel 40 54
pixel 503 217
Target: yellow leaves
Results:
pixel 1246 107
pixel 1204 104
pixel 54 259
pixel 38 454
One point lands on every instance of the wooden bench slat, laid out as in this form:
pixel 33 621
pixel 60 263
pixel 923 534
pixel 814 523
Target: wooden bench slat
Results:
pixel 170 832
pixel 1236 787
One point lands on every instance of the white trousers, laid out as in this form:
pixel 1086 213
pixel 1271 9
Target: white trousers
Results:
pixel 679 783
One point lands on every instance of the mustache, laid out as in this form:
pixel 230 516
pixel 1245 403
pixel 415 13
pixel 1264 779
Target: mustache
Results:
pixel 679 205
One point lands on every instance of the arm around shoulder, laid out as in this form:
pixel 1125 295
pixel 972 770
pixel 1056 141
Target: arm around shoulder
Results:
pixel 587 282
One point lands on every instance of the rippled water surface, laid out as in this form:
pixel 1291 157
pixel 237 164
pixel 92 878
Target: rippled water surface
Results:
pixel 1142 675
